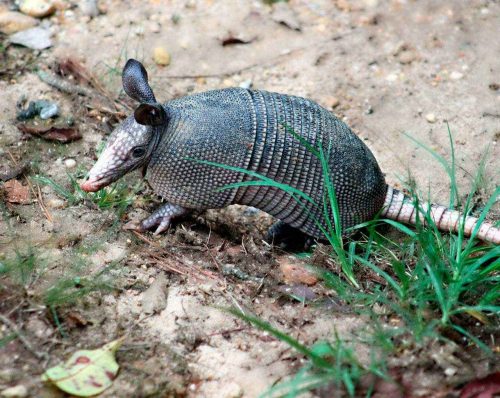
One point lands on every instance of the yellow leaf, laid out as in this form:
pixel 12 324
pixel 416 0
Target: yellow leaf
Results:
pixel 86 372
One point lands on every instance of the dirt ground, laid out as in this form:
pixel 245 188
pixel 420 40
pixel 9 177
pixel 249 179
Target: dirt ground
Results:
pixel 384 67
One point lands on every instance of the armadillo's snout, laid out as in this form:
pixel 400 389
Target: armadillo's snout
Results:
pixel 90 185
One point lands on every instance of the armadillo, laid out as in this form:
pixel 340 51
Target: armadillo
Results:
pixel 256 131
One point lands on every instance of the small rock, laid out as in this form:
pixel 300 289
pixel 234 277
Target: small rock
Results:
pixel 89 8
pixel 155 27
pixel 161 56
pixel 246 84
pixel 330 102
pixel 138 31
pixel 406 56
pixel 38 328
pixel 55 203
pixel 9 375
pixel 34 38
pixel 455 75
pixel 42 108
pixel 18 391
pixel 392 77
pixel 227 83
pixel 450 371
pixel 154 299
pixel 50 110
pixel 12 22
pixel 494 86
pixel 70 163
pixel 37 8
pixel 430 117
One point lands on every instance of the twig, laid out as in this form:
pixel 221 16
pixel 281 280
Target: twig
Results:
pixel 192 272
pixel 63 85
pixel 22 338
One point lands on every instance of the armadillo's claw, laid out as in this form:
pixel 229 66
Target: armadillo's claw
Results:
pixel 164 224
pixel 162 217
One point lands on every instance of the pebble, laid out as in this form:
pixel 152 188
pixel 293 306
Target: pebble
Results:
pixel 392 77
pixel 49 111
pixel 227 83
pixel 55 203
pixel 450 371
pixel 154 299
pixel 70 163
pixel 34 38
pixel 37 8
pixel 406 57
pixel 18 391
pixel 139 31
pixel 161 56
pixel 430 117
pixel 246 84
pixel 155 27
pixel 8 375
pixel 89 8
pixel 456 75
pixel 12 22
pixel 330 102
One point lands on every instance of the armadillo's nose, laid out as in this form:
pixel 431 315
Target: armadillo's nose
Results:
pixel 90 185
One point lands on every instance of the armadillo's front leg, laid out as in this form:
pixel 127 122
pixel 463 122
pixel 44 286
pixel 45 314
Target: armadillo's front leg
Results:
pixel 162 217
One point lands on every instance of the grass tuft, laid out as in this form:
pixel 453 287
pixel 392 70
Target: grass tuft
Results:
pixel 117 196
pixel 428 282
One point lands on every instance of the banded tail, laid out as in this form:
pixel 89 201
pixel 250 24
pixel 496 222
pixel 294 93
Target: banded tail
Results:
pixel 400 207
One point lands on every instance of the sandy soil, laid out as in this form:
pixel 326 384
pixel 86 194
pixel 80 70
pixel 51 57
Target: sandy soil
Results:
pixel 385 67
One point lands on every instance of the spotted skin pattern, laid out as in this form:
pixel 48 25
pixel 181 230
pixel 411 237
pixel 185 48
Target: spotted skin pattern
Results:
pixel 118 157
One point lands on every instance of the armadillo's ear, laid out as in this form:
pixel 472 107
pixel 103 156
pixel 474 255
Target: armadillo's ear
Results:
pixel 135 82
pixel 150 115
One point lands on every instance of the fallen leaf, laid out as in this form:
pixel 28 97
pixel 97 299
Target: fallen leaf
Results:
pixel 86 372
pixel 296 273
pixel 15 192
pixel 487 387
pixel 51 133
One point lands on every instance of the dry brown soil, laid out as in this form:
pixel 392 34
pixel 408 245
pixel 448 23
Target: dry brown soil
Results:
pixel 385 67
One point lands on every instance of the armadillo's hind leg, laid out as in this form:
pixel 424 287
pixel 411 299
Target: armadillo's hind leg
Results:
pixel 162 217
pixel 288 238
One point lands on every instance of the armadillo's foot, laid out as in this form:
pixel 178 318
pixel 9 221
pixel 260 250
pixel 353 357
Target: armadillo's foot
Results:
pixel 288 238
pixel 162 217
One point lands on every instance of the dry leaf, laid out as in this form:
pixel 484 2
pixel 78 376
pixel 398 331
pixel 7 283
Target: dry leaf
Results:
pixel 87 372
pixel 296 273
pixel 51 133
pixel 15 192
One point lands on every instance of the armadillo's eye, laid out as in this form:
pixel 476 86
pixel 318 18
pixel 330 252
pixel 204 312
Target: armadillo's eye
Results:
pixel 138 152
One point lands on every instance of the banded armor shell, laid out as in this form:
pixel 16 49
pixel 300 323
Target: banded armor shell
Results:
pixel 250 129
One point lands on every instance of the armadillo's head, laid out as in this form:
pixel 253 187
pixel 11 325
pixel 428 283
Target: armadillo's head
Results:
pixel 132 142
